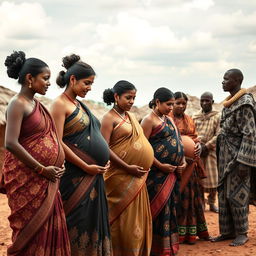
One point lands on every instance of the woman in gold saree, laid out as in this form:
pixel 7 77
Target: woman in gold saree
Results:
pixel 131 157
pixel 33 165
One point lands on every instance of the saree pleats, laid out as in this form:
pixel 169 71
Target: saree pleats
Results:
pixel 133 222
pixel 37 216
pixel 163 190
pixel 192 223
pixel 127 195
pixel 83 194
pixel 191 219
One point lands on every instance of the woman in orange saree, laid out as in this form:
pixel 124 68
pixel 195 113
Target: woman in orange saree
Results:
pixel 33 165
pixel 162 182
pixel 131 157
pixel 191 218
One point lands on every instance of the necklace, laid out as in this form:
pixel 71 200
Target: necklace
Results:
pixel 125 119
pixel 32 102
pixel 76 103
pixel 163 120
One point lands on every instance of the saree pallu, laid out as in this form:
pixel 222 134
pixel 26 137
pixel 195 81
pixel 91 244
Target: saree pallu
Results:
pixel 129 209
pixel 163 189
pixel 191 219
pixel 83 195
pixel 37 216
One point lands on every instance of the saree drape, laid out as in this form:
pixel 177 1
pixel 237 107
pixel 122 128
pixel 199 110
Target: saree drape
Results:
pixel 191 218
pixel 83 195
pixel 163 189
pixel 37 216
pixel 129 209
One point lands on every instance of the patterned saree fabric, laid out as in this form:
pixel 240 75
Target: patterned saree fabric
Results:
pixel 187 127
pixel 191 218
pixel 83 195
pixel 129 209
pixel 37 216
pixel 163 189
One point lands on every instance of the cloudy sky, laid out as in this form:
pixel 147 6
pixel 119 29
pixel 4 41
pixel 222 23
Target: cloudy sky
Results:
pixel 185 45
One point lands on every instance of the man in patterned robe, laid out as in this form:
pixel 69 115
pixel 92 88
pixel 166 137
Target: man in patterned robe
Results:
pixel 236 154
pixel 207 123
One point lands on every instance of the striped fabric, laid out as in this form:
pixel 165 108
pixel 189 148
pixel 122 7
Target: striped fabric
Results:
pixel 207 126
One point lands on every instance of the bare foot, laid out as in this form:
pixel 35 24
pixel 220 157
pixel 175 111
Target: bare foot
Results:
pixel 222 238
pixel 239 240
pixel 208 238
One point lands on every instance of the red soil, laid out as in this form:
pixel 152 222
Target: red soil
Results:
pixel 201 248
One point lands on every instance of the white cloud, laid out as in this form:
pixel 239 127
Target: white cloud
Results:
pixel 199 4
pixel 186 44
pixel 233 24
pixel 22 25
pixel 252 46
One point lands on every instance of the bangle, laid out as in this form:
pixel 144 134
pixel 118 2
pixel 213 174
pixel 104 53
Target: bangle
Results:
pixel 36 168
pixel 41 170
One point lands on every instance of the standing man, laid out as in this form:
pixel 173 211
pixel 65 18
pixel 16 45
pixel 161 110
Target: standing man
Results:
pixel 236 154
pixel 207 123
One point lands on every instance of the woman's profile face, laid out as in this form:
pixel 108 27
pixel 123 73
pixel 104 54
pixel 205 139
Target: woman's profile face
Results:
pixel 165 107
pixel 41 82
pixel 179 106
pixel 126 100
pixel 83 86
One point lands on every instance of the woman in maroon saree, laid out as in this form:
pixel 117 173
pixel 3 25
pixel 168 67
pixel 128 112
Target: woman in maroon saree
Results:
pixel 33 165
pixel 162 182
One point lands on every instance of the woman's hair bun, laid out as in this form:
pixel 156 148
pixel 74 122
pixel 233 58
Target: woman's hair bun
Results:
pixel 60 80
pixel 70 60
pixel 151 104
pixel 14 63
pixel 108 96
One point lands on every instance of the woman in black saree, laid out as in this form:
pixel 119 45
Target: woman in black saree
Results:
pixel 162 182
pixel 87 156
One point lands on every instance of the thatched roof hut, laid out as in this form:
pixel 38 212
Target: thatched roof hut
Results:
pixel 5 96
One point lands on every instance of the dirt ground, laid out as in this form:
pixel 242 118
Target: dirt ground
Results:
pixel 201 248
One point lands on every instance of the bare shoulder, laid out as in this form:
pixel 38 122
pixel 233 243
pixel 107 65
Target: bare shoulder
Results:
pixel 107 125
pixel 59 101
pixel 58 105
pixel 16 103
pixel 16 109
pixel 147 119
pixel 108 118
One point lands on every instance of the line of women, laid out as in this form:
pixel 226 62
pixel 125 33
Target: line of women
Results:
pixel 124 189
